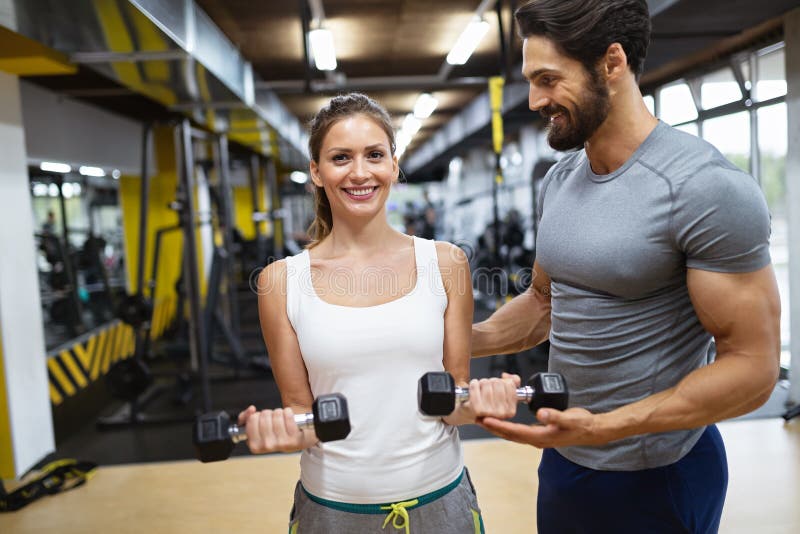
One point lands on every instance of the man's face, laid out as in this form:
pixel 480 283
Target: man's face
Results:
pixel 575 102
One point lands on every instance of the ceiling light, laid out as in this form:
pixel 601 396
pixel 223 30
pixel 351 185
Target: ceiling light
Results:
pixel 425 105
pixel 52 190
pixel 411 124
pixel 52 166
pixel 91 171
pixel 322 49
pixel 299 177
pixel 115 174
pixel 467 42
pixel 66 190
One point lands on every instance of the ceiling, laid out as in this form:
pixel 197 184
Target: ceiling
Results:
pixel 395 49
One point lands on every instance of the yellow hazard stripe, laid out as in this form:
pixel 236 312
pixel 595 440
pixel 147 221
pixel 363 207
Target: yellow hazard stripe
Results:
pixel 72 367
pixel 55 396
pixel 83 356
pixel 60 376
pixel 97 356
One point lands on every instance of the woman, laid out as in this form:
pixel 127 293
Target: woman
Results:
pixel 365 311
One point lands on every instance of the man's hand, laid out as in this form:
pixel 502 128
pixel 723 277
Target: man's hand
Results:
pixel 575 426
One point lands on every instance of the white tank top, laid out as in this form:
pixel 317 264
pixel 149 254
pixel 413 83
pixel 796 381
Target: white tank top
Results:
pixel 375 356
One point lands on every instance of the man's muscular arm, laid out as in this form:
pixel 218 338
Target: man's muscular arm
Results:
pixel 521 324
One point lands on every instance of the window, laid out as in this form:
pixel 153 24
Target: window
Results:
pixel 771 81
pixel 772 145
pixel 676 104
pixel 719 88
pixel 731 135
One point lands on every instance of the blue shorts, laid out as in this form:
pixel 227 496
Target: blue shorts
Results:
pixel 686 496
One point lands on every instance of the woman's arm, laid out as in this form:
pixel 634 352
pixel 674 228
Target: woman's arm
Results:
pixel 275 430
pixel 487 396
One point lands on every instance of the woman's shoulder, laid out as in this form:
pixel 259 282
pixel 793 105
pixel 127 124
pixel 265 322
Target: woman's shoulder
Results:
pixel 273 276
pixel 450 256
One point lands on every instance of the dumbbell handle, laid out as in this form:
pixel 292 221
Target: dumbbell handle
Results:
pixel 239 434
pixel 524 394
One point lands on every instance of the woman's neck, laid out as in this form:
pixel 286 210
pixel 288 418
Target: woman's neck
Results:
pixel 357 238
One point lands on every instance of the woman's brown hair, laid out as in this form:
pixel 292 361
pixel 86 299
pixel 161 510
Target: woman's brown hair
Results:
pixel 340 107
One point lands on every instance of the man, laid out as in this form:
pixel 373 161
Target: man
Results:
pixel 650 243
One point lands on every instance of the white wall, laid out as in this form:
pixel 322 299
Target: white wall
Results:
pixel 59 128
pixel 27 386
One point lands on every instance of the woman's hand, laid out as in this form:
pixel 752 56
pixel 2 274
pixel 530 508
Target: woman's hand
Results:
pixel 488 397
pixel 274 431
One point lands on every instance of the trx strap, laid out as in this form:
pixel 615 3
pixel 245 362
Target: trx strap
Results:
pixel 55 477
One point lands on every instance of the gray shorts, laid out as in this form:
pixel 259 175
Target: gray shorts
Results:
pixel 441 512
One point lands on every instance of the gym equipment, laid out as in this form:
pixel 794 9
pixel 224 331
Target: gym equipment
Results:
pixel 135 310
pixel 437 393
pixel 215 436
pixel 127 379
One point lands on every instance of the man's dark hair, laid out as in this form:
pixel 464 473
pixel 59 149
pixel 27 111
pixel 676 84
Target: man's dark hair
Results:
pixel 584 29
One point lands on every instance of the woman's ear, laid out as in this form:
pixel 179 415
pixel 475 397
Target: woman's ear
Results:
pixel 313 169
pixel 395 169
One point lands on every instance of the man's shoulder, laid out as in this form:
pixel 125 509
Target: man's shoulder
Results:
pixel 568 162
pixel 679 156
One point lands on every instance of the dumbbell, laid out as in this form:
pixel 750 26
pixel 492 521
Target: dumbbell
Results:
pixel 215 435
pixel 437 393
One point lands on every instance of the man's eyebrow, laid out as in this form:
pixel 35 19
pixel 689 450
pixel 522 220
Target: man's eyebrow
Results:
pixel 537 72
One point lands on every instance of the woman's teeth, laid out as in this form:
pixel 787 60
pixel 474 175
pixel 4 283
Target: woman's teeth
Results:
pixel 360 192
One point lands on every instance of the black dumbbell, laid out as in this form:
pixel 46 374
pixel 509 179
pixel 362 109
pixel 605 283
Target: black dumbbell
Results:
pixel 215 435
pixel 437 393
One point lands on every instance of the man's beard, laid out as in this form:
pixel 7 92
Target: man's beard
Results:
pixel 589 114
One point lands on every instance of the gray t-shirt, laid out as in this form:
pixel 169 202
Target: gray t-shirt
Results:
pixel 617 248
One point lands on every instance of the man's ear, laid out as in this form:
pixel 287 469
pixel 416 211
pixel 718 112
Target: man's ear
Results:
pixel 615 62
pixel 313 169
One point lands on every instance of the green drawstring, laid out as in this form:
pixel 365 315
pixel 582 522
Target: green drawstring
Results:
pixel 399 512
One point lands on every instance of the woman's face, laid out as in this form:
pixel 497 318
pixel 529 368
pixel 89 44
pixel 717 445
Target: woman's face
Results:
pixel 356 167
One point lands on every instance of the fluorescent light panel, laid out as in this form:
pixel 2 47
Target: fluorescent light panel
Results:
pixel 322 48
pixel 411 124
pixel 467 42
pixel 91 171
pixel 53 166
pixel 425 105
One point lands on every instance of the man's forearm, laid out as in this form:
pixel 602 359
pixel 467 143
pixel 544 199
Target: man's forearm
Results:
pixel 518 325
pixel 731 386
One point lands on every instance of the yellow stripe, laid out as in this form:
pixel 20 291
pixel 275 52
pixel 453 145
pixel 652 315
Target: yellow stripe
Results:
pixel 6 448
pixel 155 324
pixel 476 520
pixel 149 39
pixel 119 40
pixel 120 337
pixel 60 377
pixel 98 354
pixel 73 369
pixel 112 341
pixel 107 351
pixel 128 342
pixel 55 398
pixel 83 356
pixel 118 350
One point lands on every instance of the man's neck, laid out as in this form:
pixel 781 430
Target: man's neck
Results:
pixel 627 126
